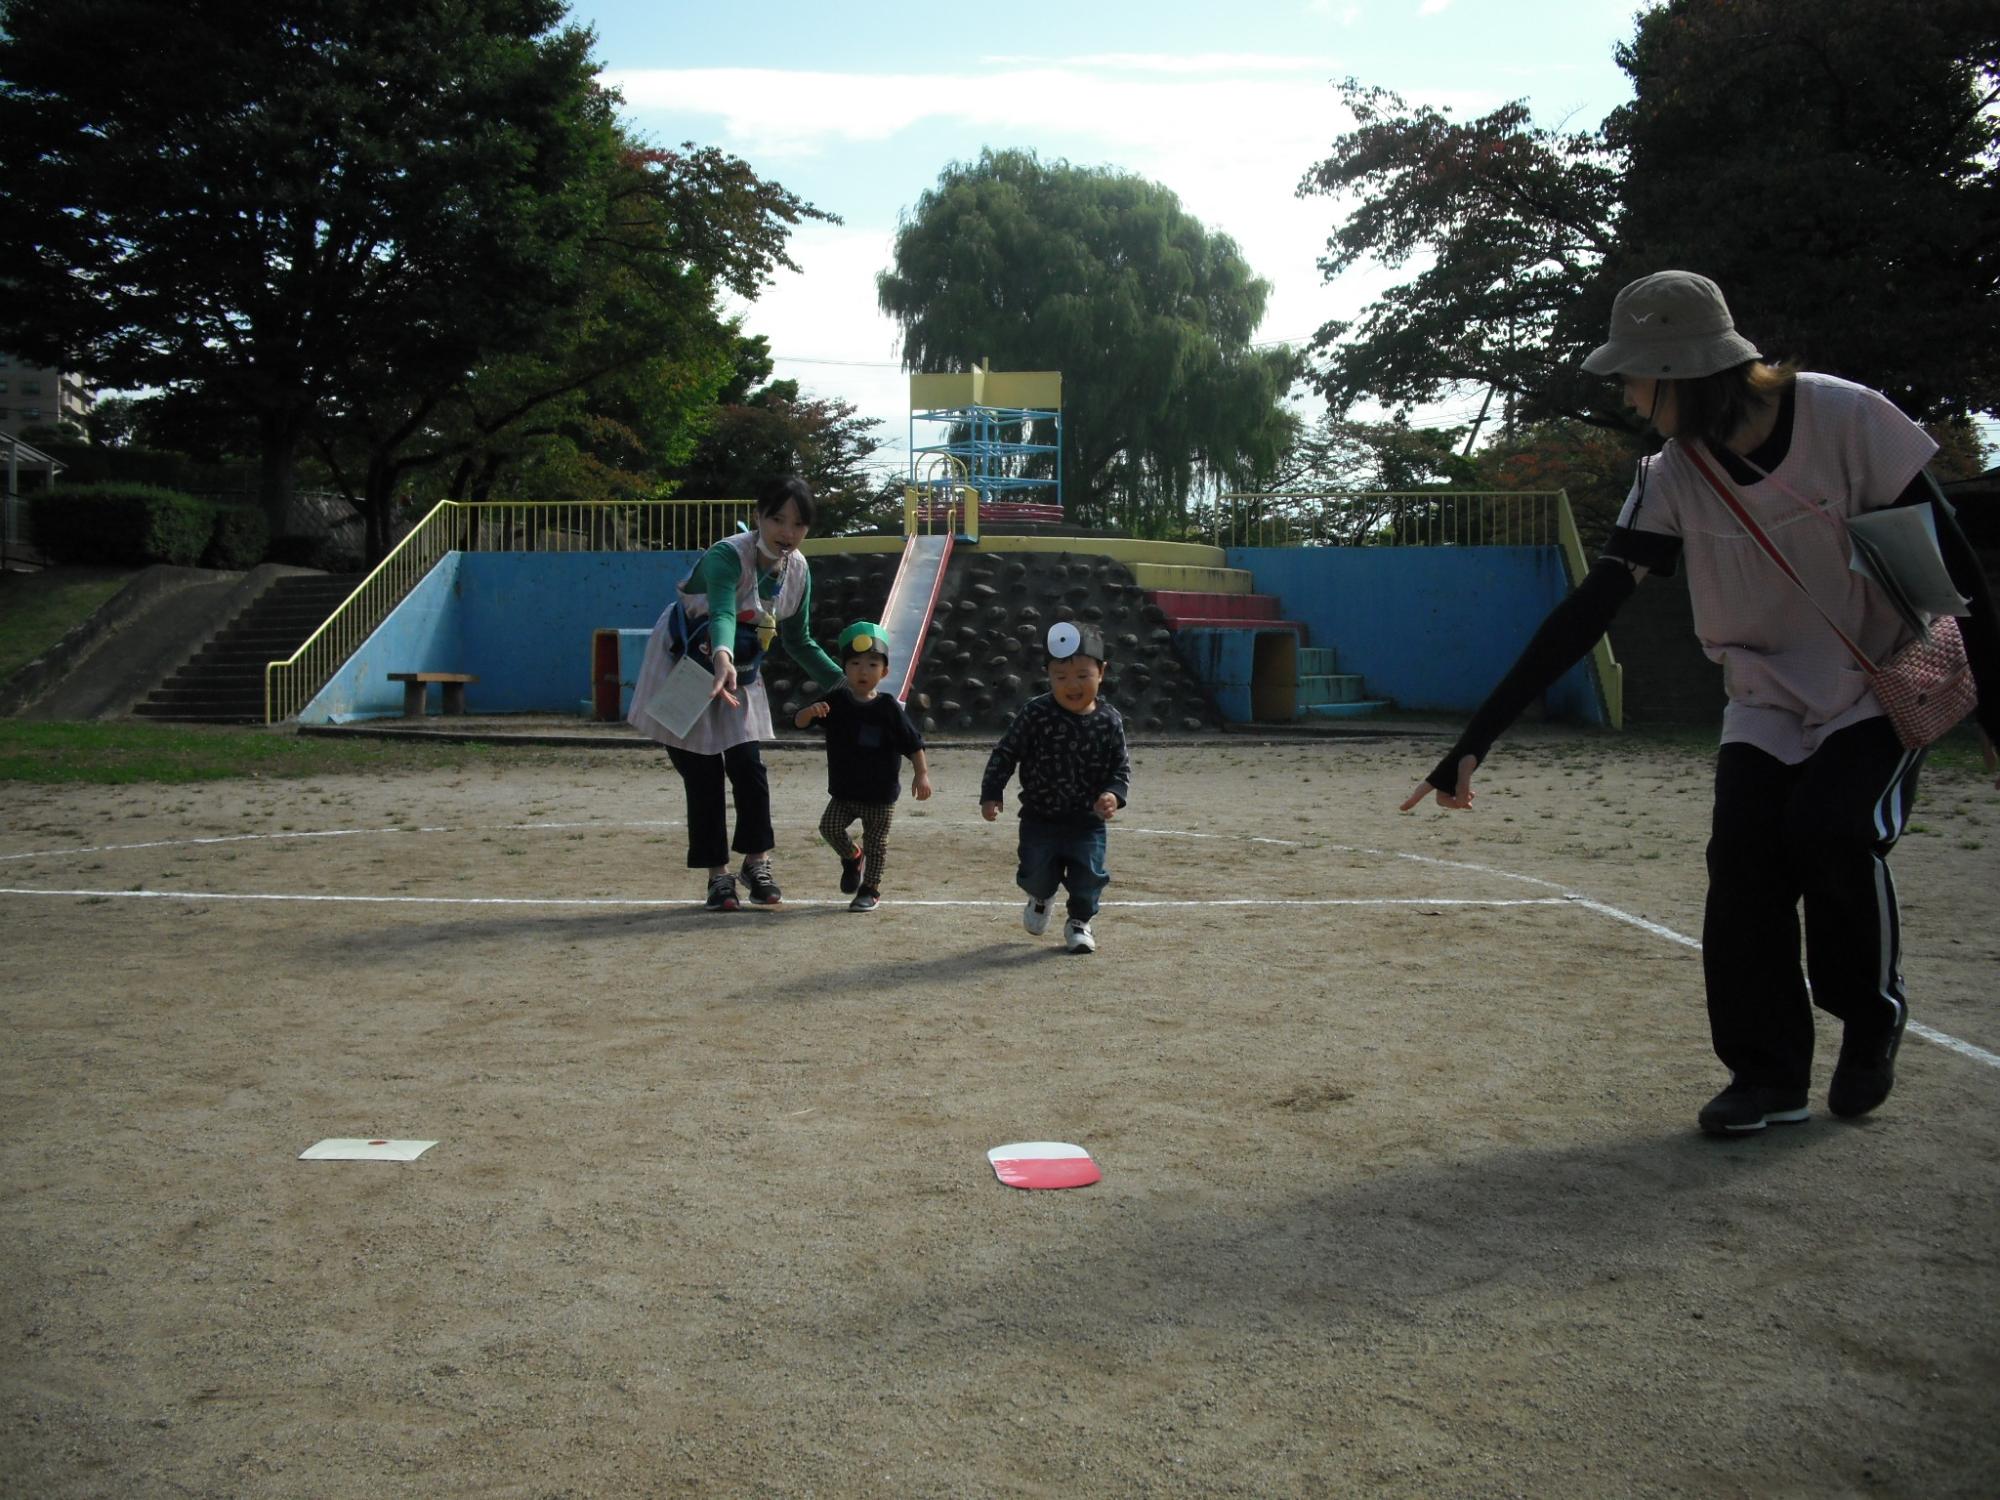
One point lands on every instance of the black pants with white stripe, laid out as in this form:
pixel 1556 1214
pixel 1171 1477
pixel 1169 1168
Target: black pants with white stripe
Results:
pixel 1820 833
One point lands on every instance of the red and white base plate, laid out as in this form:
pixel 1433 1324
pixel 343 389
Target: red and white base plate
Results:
pixel 1043 1164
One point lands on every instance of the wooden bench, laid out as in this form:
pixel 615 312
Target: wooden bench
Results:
pixel 416 684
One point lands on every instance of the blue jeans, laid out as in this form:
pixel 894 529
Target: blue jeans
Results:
pixel 1063 854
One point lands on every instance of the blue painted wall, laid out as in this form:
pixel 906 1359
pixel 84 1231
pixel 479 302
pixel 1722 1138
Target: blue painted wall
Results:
pixel 1429 627
pixel 519 621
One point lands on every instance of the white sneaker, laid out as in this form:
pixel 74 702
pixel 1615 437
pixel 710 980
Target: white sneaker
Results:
pixel 1077 936
pixel 1035 916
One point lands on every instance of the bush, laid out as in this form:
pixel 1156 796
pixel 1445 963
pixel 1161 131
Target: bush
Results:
pixel 122 525
pixel 239 538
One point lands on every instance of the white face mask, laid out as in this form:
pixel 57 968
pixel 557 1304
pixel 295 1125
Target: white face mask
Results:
pixel 764 549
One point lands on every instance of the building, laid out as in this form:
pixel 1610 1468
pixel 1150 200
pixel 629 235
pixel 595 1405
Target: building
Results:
pixel 37 396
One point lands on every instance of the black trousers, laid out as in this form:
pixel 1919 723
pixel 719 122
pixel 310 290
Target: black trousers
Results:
pixel 1820 833
pixel 708 811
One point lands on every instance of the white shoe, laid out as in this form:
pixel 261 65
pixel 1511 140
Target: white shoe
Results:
pixel 1035 917
pixel 1077 936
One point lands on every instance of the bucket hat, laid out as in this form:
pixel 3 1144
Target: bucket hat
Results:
pixel 1671 325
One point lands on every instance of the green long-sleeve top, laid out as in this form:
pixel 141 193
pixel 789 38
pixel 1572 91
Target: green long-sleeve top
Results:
pixel 720 569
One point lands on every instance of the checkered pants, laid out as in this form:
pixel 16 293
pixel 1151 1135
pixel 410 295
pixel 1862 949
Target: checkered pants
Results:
pixel 875 818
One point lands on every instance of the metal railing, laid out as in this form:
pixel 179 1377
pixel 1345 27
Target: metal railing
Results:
pixel 489 526
pixel 1383 518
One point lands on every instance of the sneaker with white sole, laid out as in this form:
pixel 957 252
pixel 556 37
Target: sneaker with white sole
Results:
pixel 1035 916
pixel 1077 936
pixel 1867 1068
pixel 1743 1107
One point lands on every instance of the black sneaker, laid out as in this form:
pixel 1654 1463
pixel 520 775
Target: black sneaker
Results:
pixel 722 892
pixel 763 889
pixel 1866 1070
pixel 850 874
pixel 865 899
pixel 1751 1106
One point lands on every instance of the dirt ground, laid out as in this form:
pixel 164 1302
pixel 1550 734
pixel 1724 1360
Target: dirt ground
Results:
pixel 1400 1197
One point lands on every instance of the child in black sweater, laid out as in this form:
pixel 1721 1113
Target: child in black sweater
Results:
pixel 867 734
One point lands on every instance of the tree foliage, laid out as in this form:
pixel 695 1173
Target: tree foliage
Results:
pixel 410 234
pixel 1508 219
pixel 1831 163
pixel 1101 275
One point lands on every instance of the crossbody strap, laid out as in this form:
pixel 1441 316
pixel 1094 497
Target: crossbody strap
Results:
pixel 1770 548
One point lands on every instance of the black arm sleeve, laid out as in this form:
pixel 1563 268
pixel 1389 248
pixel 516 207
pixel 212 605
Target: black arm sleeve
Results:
pixel 1981 628
pixel 1570 630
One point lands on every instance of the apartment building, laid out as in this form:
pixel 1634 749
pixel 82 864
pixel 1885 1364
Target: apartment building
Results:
pixel 37 396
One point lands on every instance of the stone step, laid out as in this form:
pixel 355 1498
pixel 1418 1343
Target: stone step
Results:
pixel 1357 710
pixel 1200 623
pixel 1341 687
pixel 1318 661
pixel 1152 576
pixel 1190 604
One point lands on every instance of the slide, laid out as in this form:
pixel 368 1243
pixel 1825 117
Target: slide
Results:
pixel 912 597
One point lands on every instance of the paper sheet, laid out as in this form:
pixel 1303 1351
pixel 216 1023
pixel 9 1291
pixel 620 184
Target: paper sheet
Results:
pixel 682 696
pixel 1897 550
pixel 368 1150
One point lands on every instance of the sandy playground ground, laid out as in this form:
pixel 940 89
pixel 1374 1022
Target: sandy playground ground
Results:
pixel 1401 1197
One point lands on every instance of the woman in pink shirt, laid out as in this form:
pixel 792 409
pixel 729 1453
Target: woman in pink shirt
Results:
pixel 1812 785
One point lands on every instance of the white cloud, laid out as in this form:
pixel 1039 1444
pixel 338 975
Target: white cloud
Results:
pixel 1171 63
pixel 1232 147
pixel 1433 7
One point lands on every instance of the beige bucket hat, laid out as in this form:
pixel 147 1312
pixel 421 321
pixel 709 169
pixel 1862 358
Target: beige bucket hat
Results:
pixel 1671 325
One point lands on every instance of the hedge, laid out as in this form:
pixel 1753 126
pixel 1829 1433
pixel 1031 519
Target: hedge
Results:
pixel 131 525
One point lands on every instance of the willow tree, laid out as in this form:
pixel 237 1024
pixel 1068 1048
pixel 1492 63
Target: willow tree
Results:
pixel 1101 274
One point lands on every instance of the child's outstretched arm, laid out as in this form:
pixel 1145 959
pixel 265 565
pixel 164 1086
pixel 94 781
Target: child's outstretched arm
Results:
pixel 1000 766
pixel 920 784
pixel 810 712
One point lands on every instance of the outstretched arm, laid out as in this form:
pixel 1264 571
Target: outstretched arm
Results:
pixel 1569 631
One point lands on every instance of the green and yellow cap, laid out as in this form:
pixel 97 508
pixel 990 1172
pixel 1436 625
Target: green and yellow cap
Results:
pixel 862 637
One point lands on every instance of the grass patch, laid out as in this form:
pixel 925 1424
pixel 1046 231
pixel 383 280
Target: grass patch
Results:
pixel 39 609
pixel 119 752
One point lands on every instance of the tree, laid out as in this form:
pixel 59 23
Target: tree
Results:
pixel 775 430
pixel 287 203
pixel 1593 464
pixel 1101 275
pixel 1831 164
pixel 1513 222
pixel 604 393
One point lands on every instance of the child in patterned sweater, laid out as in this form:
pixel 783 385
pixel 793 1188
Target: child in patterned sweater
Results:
pixel 1075 774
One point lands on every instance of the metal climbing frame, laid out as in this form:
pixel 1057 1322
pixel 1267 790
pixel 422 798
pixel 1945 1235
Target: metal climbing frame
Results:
pixel 1003 436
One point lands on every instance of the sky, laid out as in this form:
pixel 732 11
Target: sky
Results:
pixel 858 108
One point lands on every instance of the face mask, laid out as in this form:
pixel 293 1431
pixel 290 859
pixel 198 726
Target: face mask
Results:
pixel 764 549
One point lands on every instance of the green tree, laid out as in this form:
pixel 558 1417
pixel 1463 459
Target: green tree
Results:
pixel 775 430
pixel 1101 275
pixel 286 204
pixel 1831 163
pixel 1512 221
pixel 604 393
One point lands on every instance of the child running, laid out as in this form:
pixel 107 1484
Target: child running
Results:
pixel 867 734
pixel 1075 774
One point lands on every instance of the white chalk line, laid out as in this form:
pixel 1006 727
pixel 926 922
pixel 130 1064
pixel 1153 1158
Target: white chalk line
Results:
pixel 665 901
pixel 1567 897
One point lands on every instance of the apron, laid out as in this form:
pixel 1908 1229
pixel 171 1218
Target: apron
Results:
pixel 684 626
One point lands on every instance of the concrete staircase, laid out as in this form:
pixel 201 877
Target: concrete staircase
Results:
pixel 223 682
pixel 1255 663
pixel 1326 692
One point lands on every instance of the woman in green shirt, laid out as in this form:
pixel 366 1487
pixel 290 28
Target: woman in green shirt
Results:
pixel 759 582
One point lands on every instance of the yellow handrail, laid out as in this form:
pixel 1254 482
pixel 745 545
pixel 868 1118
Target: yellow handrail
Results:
pixel 1610 675
pixel 489 526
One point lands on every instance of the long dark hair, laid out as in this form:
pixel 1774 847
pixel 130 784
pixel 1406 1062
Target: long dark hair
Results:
pixel 1713 407
pixel 773 494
